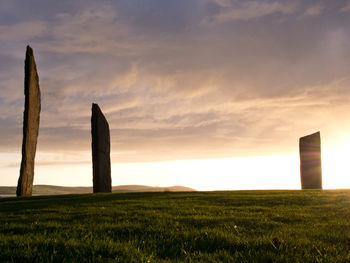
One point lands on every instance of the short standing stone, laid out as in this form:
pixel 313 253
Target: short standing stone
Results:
pixel 310 161
pixel 31 119
pixel 101 163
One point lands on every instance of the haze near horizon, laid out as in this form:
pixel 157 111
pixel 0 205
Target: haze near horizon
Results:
pixel 209 94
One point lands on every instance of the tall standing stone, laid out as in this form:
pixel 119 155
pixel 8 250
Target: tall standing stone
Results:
pixel 101 163
pixel 31 119
pixel 310 161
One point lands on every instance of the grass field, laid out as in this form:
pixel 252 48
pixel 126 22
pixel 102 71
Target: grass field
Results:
pixel 240 226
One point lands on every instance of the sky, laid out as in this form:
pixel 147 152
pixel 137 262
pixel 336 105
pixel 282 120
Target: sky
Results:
pixel 210 94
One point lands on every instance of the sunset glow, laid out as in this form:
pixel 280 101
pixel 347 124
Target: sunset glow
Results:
pixel 269 172
pixel 336 166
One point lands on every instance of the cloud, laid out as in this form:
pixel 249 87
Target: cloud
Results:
pixel 23 31
pixel 91 29
pixel 345 8
pixel 248 10
pixel 314 10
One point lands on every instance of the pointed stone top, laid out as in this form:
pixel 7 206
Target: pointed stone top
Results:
pixel 311 137
pixel 29 51
pixel 97 112
pixel 96 107
pixel 312 140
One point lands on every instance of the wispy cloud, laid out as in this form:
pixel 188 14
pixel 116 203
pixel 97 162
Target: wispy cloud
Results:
pixel 248 10
pixel 23 31
pixel 346 7
pixel 92 30
pixel 314 10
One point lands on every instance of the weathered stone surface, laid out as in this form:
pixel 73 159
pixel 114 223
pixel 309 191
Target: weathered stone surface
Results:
pixel 101 163
pixel 31 119
pixel 310 161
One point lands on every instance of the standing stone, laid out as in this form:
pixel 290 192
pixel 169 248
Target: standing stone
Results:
pixel 31 119
pixel 101 163
pixel 310 161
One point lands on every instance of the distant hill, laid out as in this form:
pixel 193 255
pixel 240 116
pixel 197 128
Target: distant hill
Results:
pixel 58 190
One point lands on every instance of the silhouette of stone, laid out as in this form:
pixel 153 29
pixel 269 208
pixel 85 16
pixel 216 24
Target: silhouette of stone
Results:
pixel 310 161
pixel 101 163
pixel 31 119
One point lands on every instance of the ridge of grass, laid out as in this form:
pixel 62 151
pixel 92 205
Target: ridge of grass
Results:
pixel 58 190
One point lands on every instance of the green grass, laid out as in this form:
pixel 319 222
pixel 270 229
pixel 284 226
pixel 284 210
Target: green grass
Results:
pixel 240 226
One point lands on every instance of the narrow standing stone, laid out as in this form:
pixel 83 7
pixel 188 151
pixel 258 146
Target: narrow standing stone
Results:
pixel 310 161
pixel 31 119
pixel 101 163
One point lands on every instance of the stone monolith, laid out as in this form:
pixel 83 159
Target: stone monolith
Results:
pixel 31 119
pixel 310 161
pixel 101 163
